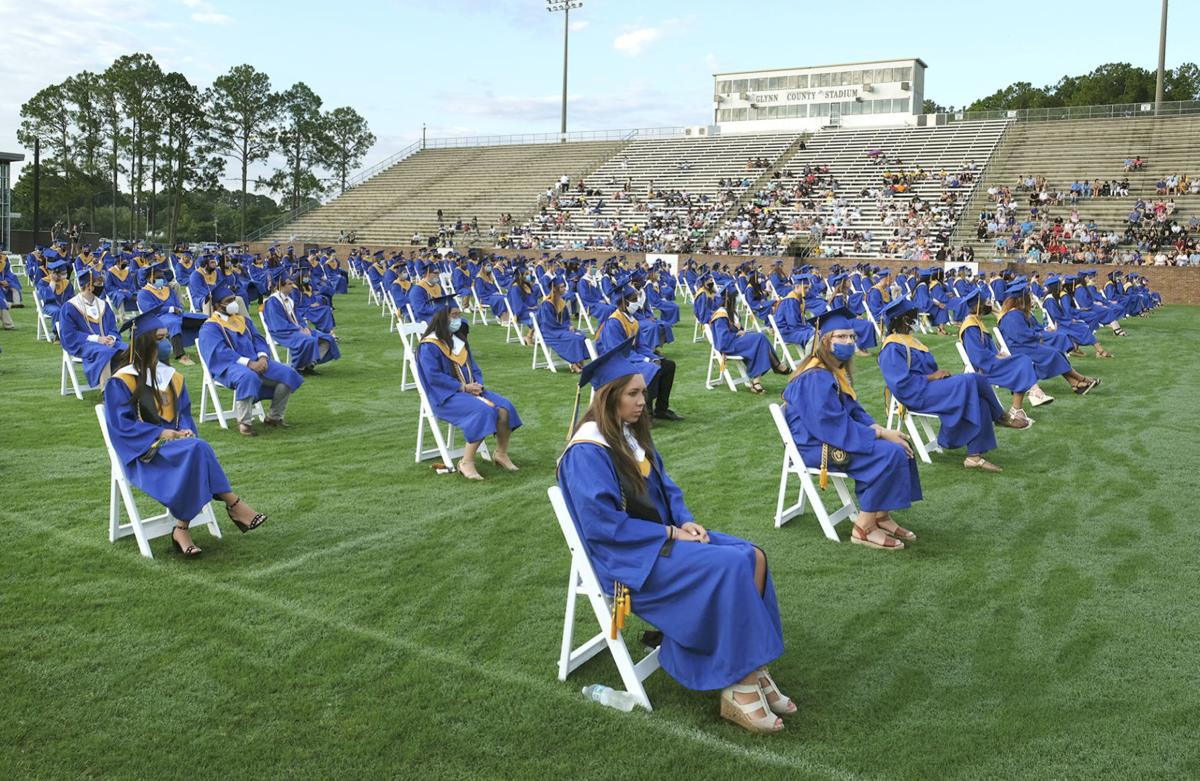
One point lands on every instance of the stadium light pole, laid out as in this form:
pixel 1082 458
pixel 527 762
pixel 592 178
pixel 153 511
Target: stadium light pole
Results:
pixel 1162 60
pixel 565 6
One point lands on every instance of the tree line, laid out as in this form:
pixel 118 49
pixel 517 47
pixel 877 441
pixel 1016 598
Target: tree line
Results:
pixel 169 142
pixel 1111 83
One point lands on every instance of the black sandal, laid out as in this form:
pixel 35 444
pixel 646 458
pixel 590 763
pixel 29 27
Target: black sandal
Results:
pixel 255 522
pixel 190 550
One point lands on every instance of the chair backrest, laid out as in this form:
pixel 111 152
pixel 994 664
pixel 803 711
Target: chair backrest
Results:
pixel 708 334
pixel 791 452
pixel 999 337
pixel 968 367
pixel 117 466
pixel 591 349
pixel 579 557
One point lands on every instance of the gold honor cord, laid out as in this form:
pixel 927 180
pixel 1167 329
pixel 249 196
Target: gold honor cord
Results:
pixel 622 607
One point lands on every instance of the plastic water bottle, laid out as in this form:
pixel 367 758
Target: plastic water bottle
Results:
pixel 605 695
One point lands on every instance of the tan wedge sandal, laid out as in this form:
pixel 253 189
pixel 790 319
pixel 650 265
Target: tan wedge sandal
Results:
pixel 741 714
pixel 783 705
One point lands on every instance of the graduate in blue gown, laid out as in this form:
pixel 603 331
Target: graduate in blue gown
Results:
pixel 306 346
pixel 157 294
pixel 1058 308
pixel 710 594
pixel 488 291
pixel 204 277
pixel 791 318
pixel 237 357
pixel 313 306
pixel 833 431
pixel 1023 335
pixel 658 372
pixel 1014 372
pixel 55 290
pixel 454 385
pixel 751 346
pixel 521 298
pixel 121 286
pixel 10 290
pixel 88 328
pixel 855 304
pixel 965 404
pixel 425 291
pixel 554 320
pixel 149 419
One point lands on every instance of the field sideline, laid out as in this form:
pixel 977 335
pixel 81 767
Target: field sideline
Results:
pixel 390 622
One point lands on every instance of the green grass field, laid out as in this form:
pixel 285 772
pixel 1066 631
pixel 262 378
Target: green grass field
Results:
pixel 389 622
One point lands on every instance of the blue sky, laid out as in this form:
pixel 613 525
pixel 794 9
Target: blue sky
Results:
pixel 468 67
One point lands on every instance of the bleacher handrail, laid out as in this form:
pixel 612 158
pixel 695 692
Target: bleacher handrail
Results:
pixel 1112 111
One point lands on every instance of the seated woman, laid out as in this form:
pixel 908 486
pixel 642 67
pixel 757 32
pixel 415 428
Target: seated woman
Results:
pixel 1014 372
pixel 843 296
pixel 1057 305
pixel 453 384
pixel 149 418
pixel 964 403
pixel 752 347
pixel 825 419
pixel 710 594
pixel 925 302
pixel 1022 336
pixel 668 310
pixel 657 371
pixel 488 292
pixel 791 317
pixel 157 294
pixel 55 290
pixel 306 346
pixel 521 299
pixel 554 320
pixel 88 328
pixel 592 296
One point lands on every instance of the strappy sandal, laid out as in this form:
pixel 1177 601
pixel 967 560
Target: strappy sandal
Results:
pixel 784 705
pixel 1085 386
pixel 191 550
pixel 882 542
pixel 255 522
pixel 1015 419
pixel 475 476
pixel 979 462
pixel 898 531
pixel 757 388
pixel 740 713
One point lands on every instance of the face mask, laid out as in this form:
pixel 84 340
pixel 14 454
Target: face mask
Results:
pixel 455 324
pixel 232 308
pixel 843 352
pixel 159 284
pixel 97 290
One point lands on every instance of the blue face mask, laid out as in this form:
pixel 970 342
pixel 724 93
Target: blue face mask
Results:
pixel 455 324
pixel 843 352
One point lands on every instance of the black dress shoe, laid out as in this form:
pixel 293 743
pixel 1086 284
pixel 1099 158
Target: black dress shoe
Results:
pixel 667 414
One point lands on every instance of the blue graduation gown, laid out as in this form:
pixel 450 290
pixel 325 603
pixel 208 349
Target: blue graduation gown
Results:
pixel 789 316
pixel 556 330
pixel 1015 372
pixel 965 404
pixel 199 285
pixel 1023 338
pixel 420 299
pixel 304 350
pixel 819 413
pixel 441 377
pixel 489 295
pixel 74 328
pixel 615 330
pixel 171 312
pixel 717 628
pixel 520 304
pixel 314 307
pixel 121 291
pixel 184 474
pixel 864 330
pixel 10 291
pixel 54 298
pixel 592 299
pixel 1077 331
pixel 668 311
pixel 751 346
pixel 223 342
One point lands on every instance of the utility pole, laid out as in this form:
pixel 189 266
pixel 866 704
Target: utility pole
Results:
pixel 565 6
pixel 1162 60
pixel 37 187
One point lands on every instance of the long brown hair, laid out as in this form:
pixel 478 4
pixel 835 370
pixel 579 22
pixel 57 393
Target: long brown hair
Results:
pixel 603 412
pixel 822 351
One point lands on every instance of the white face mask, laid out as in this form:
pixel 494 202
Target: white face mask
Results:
pixel 232 308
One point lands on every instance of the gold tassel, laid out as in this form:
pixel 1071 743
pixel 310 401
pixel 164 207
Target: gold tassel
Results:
pixel 574 413
pixel 823 482
pixel 612 633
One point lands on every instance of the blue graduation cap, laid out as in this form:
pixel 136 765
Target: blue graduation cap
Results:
pixel 836 280
pixel 89 276
pixel 448 301
pixel 897 308
pixel 1053 280
pixel 969 296
pixel 146 321
pixel 57 265
pixel 887 272
pixel 221 291
pixel 1017 290
pixel 925 273
pixel 623 290
pixel 836 319
pixel 378 254
pixel 612 365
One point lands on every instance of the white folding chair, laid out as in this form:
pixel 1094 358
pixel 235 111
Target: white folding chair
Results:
pixel 444 446
pixel 44 321
pixel 721 363
pixel 688 295
pixel 271 344
pixel 583 582
pixel 920 428
pixel 584 320
pixel 593 355
pixel 874 322
pixel 512 332
pixel 478 310
pixel 69 362
pixel 208 395
pixel 394 311
pixel 809 494
pixel 782 346
pixel 143 529
pixel 697 330
pixel 373 296
pixel 547 359
pixel 969 368
pixel 1001 345
pixel 408 332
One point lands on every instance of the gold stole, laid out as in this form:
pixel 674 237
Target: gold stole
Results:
pixel 164 403
pixel 972 321
pixel 628 323
pixel 844 386
pixel 120 273
pixel 432 288
pixel 458 361
pixel 910 343
pixel 161 295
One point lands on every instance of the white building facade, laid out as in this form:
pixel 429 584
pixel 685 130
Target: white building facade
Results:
pixel 856 94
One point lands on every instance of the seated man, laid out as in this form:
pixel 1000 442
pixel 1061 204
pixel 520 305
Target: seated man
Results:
pixel 422 294
pixel 55 289
pixel 237 358
pixel 306 346
pixel 88 328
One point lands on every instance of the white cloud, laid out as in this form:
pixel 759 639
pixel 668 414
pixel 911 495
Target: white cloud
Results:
pixel 711 62
pixel 211 17
pixel 581 24
pixel 635 42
